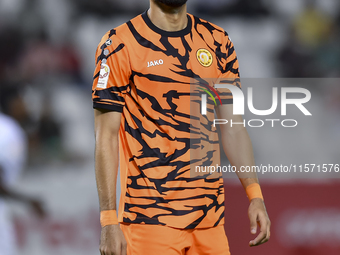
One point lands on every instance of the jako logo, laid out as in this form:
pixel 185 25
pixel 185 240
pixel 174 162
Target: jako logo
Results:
pixel 238 100
pixel 155 63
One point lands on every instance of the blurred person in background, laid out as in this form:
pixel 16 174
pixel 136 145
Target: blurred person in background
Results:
pixel 32 63
pixel 311 48
pixel 13 153
pixel 312 26
pixel 42 133
pixel 293 59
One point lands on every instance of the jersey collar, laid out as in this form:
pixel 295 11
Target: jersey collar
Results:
pixel 179 33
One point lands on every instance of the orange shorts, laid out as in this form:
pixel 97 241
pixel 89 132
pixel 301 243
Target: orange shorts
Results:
pixel 155 240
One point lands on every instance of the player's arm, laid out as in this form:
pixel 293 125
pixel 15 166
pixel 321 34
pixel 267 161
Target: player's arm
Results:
pixel 238 148
pixel 107 125
pixel 35 204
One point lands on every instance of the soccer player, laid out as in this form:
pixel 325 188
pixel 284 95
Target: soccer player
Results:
pixel 141 95
pixel 12 159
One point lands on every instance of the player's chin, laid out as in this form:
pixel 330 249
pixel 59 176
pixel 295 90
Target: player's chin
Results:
pixel 173 3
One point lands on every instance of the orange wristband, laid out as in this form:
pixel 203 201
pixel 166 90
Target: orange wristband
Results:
pixel 254 191
pixel 108 218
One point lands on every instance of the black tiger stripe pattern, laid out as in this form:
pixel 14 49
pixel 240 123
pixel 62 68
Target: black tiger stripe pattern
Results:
pixel 152 80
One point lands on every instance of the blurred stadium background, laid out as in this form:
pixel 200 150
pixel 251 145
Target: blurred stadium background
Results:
pixel 47 52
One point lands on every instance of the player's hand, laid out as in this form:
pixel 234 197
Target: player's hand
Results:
pixel 258 216
pixel 112 241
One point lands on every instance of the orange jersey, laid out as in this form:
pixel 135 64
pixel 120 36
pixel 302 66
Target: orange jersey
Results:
pixel 145 73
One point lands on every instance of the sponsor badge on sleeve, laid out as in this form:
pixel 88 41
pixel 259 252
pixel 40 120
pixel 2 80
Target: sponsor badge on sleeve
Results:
pixel 103 76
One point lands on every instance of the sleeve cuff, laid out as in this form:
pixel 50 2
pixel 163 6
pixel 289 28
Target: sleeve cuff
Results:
pixel 227 101
pixel 114 108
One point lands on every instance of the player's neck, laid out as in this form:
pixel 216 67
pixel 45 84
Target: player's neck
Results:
pixel 168 19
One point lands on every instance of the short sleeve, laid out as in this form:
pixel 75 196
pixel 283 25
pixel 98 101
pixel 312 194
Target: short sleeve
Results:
pixel 111 75
pixel 229 69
